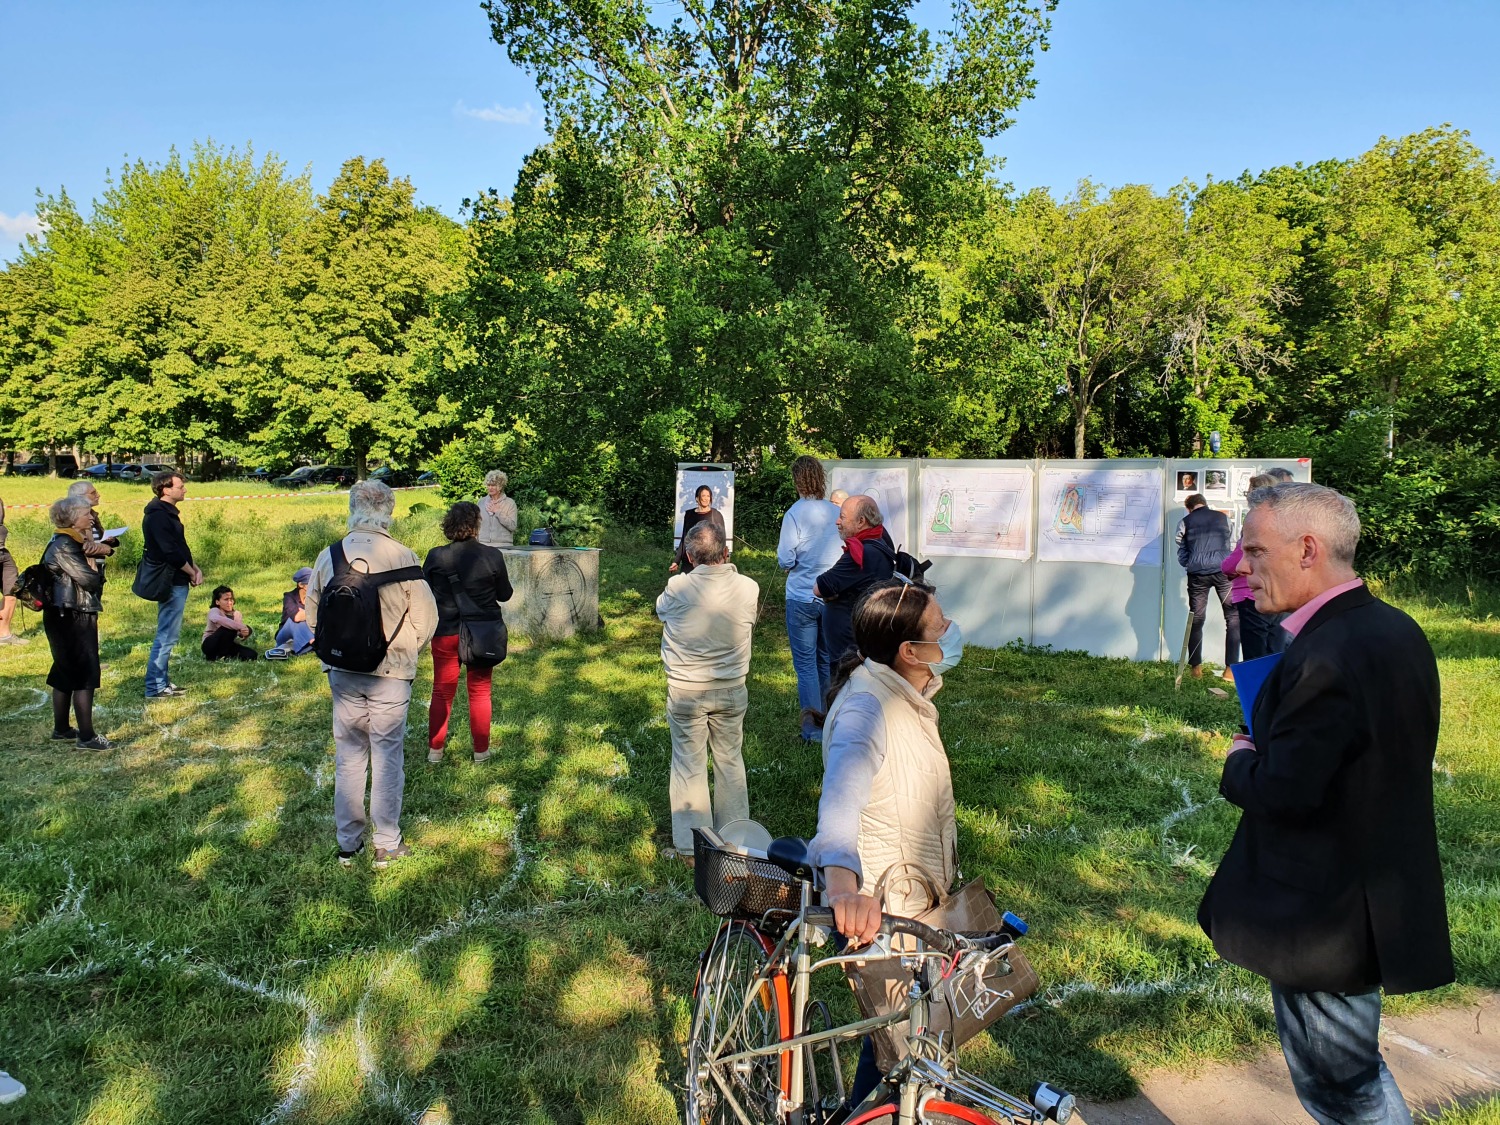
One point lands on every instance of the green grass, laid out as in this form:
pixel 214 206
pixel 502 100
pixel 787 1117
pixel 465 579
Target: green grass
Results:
pixel 178 945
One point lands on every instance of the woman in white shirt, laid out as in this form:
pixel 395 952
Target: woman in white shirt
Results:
pixel 497 515
pixel 809 545
pixel 887 793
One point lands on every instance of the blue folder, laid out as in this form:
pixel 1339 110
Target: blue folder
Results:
pixel 1249 677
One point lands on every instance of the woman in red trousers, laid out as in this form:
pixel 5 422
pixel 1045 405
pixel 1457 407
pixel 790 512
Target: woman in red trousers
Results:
pixel 467 578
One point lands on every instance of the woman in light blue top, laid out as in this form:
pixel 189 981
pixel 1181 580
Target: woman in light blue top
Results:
pixel 809 545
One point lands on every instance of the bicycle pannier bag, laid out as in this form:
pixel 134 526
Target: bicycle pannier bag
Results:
pixel 153 581
pixel 964 1004
pixel 350 634
pixel 482 641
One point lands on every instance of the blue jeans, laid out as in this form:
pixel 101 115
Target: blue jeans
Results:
pixel 809 658
pixel 168 628
pixel 1331 1041
pixel 296 633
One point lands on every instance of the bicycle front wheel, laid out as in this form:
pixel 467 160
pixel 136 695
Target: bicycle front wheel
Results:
pixel 723 1025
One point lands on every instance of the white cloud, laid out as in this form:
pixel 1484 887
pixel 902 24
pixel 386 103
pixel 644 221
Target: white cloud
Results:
pixel 501 114
pixel 15 228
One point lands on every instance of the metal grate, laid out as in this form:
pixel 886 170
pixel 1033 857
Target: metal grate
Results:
pixel 741 886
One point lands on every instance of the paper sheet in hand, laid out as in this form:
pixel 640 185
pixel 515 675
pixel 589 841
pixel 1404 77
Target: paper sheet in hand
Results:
pixel 114 533
pixel 1249 677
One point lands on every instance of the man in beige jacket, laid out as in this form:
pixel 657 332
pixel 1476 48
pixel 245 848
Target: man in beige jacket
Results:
pixel 707 617
pixel 369 710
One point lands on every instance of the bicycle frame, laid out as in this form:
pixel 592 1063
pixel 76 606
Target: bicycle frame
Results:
pixel 921 1075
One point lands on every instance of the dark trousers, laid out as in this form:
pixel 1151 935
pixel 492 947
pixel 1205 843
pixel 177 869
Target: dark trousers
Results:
pixel 837 632
pixel 223 644
pixel 1198 586
pixel 1331 1041
pixel 1261 634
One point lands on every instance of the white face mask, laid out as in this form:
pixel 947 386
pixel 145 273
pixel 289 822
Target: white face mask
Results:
pixel 952 645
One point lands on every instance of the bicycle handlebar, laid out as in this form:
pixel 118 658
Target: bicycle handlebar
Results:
pixel 941 940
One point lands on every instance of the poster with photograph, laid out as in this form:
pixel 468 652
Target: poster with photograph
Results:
pixel 1239 480
pixel 719 479
pixel 1215 484
pixel 1185 482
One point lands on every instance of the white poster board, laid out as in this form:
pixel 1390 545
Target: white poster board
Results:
pixel 888 487
pixel 720 479
pixel 977 512
pixel 1100 515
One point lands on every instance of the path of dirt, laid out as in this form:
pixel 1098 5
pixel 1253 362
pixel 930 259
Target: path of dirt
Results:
pixel 1439 1057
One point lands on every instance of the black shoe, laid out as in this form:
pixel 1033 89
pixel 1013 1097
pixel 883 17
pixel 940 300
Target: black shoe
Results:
pixel 346 859
pixel 69 735
pixel 98 742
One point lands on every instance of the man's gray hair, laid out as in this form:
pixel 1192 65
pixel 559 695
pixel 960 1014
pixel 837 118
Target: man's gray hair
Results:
pixel 1280 475
pixel 371 503
pixel 1312 509
pixel 705 544
pixel 869 511
pixel 80 487
pixel 66 510
pixel 495 476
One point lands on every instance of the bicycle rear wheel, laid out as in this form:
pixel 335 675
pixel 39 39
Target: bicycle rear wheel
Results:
pixel 738 954
pixel 934 1113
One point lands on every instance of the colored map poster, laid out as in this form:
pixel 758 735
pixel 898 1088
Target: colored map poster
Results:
pixel 972 511
pixel 887 487
pixel 1100 516
pixel 721 481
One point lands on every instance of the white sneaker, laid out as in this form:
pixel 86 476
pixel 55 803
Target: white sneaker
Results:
pixel 10 1089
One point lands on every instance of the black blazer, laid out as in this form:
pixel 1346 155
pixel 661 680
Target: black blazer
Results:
pixel 1332 882
pixel 481 571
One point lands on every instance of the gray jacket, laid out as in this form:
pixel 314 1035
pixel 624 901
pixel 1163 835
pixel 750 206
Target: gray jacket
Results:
pixel 77 581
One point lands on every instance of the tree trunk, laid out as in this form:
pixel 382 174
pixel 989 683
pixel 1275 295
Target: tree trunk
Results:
pixel 361 463
pixel 1080 426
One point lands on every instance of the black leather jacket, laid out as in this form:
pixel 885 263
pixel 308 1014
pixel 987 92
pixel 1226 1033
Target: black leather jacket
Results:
pixel 77 581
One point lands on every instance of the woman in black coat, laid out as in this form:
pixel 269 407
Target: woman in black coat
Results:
pixel 478 570
pixel 70 619
pixel 691 518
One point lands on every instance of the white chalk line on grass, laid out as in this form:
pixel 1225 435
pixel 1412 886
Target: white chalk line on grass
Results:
pixel 1183 856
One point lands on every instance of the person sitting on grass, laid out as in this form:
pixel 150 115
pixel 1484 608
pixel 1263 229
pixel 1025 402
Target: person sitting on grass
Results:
pixel 294 636
pixel 225 629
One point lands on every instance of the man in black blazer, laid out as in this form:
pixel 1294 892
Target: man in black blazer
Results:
pixel 1332 888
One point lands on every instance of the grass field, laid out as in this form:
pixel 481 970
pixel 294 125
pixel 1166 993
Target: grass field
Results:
pixel 177 943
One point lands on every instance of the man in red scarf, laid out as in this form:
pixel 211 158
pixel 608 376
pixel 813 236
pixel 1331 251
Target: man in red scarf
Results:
pixel 868 558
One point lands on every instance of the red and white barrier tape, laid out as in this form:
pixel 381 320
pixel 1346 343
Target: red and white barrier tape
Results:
pixel 255 496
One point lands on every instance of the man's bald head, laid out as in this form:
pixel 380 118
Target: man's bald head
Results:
pixel 858 513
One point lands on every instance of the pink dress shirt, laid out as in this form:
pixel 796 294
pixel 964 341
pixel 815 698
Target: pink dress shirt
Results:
pixel 1297 620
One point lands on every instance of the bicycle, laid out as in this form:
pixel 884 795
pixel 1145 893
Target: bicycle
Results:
pixel 753 1049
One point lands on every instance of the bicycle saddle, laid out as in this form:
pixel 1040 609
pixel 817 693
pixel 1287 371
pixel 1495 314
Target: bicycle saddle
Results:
pixel 790 854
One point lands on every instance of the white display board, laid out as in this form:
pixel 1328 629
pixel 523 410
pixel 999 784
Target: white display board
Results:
pixel 889 487
pixel 979 512
pixel 1097 515
pixel 719 478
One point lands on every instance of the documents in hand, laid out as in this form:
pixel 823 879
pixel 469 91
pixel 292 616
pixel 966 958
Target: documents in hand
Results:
pixel 1249 677
pixel 114 533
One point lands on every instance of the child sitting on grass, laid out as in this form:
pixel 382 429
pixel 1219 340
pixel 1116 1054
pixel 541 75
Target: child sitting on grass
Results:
pixel 225 629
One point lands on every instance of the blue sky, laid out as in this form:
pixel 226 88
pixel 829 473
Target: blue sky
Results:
pixel 1142 91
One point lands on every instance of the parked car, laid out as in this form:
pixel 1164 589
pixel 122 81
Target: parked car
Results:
pixel 103 471
pixel 67 466
pixel 429 477
pixel 340 475
pixel 143 472
pixel 396 478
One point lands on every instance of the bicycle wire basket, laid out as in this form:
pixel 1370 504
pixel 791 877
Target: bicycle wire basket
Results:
pixel 734 885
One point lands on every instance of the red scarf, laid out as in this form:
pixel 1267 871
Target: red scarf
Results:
pixel 855 544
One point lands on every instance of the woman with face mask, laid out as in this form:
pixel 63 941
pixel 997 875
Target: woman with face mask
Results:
pixel 887 794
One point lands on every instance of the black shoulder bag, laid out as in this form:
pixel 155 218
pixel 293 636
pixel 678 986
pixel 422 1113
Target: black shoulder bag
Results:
pixel 482 641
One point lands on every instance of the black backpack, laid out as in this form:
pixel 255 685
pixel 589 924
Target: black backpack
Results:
pixel 909 568
pixel 350 634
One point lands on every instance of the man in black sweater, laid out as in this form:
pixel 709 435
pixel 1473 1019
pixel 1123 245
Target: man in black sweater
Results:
pixel 1203 543
pixel 868 558
pixel 1332 888
pixel 165 543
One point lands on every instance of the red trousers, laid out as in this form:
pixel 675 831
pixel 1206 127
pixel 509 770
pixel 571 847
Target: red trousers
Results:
pixel 445 686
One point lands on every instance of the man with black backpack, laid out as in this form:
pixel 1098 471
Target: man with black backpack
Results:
pixel 371 613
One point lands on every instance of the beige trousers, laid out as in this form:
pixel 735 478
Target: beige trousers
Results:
pixel 704 722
